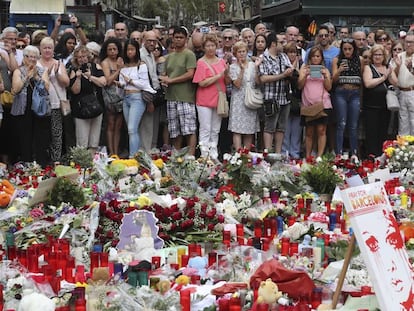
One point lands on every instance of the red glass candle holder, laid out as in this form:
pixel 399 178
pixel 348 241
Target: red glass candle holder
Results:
pixel 103 259
pixel 192 249
pixel 212 258
pixel 184 260
pixel 293 248
pixel 156 262
pixel 284 251
pixel 240 234
pixel 258 229
pixel 224 304
pixel 226 236
pixel 94 257
pixel 11 252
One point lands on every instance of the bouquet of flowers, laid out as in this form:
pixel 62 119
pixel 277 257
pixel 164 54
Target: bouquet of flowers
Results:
pixel 400 154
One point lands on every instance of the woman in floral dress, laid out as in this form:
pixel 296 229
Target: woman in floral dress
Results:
pixel 243 122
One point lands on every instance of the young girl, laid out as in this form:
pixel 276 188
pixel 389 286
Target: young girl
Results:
pixel 133 78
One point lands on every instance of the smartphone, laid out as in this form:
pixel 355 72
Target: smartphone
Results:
pixel 65 19
pixel 345 63
pixel 315 71
pixel 204 29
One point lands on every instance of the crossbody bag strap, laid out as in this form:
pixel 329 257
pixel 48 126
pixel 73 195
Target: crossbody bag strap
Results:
pixel 214 72
pixel 379 76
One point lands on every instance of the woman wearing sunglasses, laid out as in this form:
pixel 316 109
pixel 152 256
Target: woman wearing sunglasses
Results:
pixel 347 74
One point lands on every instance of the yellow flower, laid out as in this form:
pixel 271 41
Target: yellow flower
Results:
pixel 159 163
pixel 409 139
pixel 182 280
pixel 180 160
pixel 389 151
pixel 144 201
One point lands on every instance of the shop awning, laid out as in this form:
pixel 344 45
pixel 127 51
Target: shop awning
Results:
pixel 37 7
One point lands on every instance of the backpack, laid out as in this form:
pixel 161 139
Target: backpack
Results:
pixel 40 99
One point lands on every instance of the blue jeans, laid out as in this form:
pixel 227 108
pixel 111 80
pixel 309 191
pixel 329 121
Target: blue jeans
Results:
pixel 133 109
pixel 347 106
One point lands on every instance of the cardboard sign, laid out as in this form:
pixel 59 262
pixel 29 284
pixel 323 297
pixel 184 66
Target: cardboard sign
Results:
pixel 381 245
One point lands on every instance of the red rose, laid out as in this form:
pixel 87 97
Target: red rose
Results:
pixel 174 208
pixel 211 213
pixel 176 216
pixel 187 224
pixel 220 218
pixel 190 203
pixel 191 213
pixel 110 234
pixel 210 227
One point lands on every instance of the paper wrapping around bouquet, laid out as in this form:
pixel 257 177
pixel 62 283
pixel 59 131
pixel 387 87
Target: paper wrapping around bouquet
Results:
pixel 381 245
pixel 296 284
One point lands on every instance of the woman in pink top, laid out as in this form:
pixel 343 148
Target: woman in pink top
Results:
pixel 210 76
pixel 315 88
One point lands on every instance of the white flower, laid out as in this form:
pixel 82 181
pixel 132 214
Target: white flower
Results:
pixel 229 208
pixel 284 194
pixel 227 156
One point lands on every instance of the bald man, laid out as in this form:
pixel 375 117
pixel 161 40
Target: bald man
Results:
pixel 197 44
pixel 148 128
pixel 260 28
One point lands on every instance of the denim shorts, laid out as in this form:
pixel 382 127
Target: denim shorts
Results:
pixel 278 121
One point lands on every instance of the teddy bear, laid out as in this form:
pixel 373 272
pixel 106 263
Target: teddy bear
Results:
pixel 268 292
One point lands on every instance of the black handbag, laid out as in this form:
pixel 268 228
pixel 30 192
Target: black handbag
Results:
pixel 89 107
pixel 159 98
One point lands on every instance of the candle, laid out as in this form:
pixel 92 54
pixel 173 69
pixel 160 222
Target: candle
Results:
pixel 142 277
pixel 212 258
pixel 317 254
pixel 184 260
pixel 156 262
pixel 240 234
pixel 185 300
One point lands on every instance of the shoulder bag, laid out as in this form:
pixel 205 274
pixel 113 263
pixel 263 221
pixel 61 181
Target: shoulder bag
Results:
pixel 64 103
pixel 40 99
pixel 393 104
pixel 315 111
pixel 222 104
pixel 89 106
pixel 113 101
pixel 253 96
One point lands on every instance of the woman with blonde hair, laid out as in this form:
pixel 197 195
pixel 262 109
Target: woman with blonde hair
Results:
pixel 377 77
pixel 59 80
pixel 86 78
pixel 210 76
pixel 243 122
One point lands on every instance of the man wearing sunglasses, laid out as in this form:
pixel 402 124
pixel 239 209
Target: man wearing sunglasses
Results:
pixel 329 51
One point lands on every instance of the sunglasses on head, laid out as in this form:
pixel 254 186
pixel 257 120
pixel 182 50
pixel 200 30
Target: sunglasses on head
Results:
pixel 348 40
pixel 158 48
pixel 20 46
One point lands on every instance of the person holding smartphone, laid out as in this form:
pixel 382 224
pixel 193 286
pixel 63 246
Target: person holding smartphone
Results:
pixel 347 74
pixel 314 90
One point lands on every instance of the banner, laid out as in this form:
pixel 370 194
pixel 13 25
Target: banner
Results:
pixel 381 245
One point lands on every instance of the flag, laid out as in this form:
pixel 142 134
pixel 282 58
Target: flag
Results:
pixel 312 28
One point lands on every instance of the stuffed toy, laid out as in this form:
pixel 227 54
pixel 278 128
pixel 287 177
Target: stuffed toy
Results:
pixel 268 292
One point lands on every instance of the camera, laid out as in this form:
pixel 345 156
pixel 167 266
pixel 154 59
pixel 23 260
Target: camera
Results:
pixel 84 67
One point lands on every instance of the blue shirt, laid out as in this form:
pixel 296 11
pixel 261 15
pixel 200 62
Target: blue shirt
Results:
pixel 328 55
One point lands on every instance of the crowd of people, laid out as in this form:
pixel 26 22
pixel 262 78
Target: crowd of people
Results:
pixel 347 74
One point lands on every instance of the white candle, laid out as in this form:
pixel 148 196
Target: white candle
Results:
pixel 317 254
